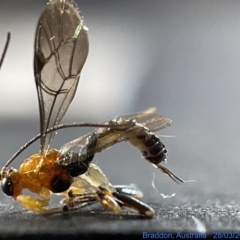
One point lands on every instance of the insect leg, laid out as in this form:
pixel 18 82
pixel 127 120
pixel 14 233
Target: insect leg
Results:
pixel 131 203
pixel 79 199
pixel 129 190
pixel 84 191
pixel 113 201
pixel 36 205
pixel 134 204
pixel 98 177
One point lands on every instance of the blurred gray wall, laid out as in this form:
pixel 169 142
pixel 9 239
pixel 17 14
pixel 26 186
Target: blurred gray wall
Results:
pixel 180 56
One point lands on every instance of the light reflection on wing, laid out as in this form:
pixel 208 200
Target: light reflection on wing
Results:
pixel 152 121
pixel 61 49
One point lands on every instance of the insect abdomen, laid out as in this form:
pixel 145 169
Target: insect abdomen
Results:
pixel 149 144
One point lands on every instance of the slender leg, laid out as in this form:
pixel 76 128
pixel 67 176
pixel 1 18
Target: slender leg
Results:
pixel 134 204
pixel 112 201
pixel 131 203
pixel 36 205
pixel 129 190
pixel 85 189
pixel 97 178
pixel 78 199
pixel 94 177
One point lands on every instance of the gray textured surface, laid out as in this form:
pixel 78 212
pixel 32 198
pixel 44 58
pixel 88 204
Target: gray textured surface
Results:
pixel 188 217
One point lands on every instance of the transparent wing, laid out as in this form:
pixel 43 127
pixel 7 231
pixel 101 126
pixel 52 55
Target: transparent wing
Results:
pixel 106 139
pixel 61 49
pixel 153 121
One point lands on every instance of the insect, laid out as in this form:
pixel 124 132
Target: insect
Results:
pixel 61 49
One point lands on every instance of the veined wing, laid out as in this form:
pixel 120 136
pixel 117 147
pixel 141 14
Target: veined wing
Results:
pixel 61 49
pixel 106 138
pixel 151 120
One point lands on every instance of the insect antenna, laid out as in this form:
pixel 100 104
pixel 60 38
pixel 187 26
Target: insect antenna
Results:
pixel 55 128
pixel 5 48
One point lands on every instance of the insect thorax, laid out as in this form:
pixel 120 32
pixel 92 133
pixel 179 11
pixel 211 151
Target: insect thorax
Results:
pixel 37 172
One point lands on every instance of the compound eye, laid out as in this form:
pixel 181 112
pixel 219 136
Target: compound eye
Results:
pixel 7 186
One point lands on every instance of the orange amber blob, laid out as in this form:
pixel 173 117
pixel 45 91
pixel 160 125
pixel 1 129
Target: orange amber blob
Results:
pixel 38 171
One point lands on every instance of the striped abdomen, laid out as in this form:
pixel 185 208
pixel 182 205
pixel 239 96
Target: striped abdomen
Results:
pixel 148 143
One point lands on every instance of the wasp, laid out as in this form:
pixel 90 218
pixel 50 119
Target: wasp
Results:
pixel 60 51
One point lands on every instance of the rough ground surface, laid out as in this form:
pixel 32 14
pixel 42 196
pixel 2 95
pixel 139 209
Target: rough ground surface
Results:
pixel 186 217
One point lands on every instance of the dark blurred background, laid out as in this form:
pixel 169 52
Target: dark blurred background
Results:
pixel 179 56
